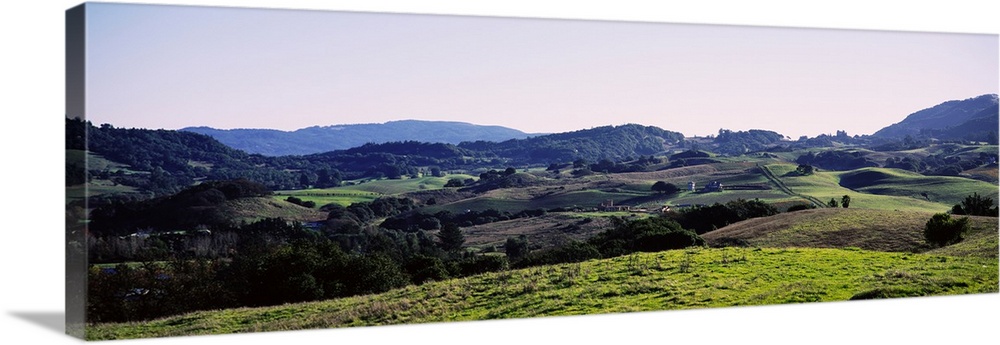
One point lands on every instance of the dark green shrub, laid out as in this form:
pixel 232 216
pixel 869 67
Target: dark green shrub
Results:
pixel 941 230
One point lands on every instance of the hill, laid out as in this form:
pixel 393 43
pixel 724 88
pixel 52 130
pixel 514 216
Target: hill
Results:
pixel 892 231
pixel 209 204
pixel 943 189
pixel 669 280
pixel 316 139
pixel 958 119
pixel 608 142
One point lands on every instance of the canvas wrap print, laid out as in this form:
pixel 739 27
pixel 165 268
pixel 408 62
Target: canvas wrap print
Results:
pixel 243 170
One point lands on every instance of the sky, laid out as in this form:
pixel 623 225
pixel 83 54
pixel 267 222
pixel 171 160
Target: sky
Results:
pixel 174 66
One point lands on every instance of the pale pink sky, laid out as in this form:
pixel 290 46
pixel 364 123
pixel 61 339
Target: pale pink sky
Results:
pixel 173 67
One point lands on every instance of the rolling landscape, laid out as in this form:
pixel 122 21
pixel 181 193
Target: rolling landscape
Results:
pixel 206 231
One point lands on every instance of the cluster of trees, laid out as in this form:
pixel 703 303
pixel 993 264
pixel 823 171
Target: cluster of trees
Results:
pixel 845 201
pixel 300 202
pixel 624 237
pixel 944 164
pixel 702 219
pixel 976 205
pixel 664 187
pixel 273 262
pixel 353 218
pixel 606 166
pixel 614 143
pixel 836 160
pixel 942 230
pixel 741 142
pixel 200 205
pixel 414 221
pixel 164 162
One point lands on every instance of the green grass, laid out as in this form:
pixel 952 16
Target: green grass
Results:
pixel 392 187
pixel 899 231
pixel 679 279
pixel 367 191
pixel 328 196
pixel 253 209
pixel 825 185
pixel 582 198
pixel 944 189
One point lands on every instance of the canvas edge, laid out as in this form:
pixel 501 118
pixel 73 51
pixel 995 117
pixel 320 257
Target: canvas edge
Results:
pixel 76 249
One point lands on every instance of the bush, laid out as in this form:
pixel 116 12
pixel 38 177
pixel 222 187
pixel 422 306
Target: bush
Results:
pixel 800 207
pixel 941 230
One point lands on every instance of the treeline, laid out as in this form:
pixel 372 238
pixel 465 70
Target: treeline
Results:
pixel 609 142
pixel 164 162
pixel 273 262
pixel 624 237
pixel 277 263
pixel 943 164
pixel 836 160
pixel 702 219
pixel 742 142
pixel 197 206
pixel 420 221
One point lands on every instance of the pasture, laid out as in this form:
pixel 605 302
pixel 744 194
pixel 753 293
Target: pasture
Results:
pixel 669 280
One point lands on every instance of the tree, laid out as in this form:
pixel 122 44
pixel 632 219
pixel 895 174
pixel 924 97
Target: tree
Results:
pixel 805 169
pixel 845 201
pixel 451 237
pixel 942 230
pixel 455 182
pixel 976 205
pixel 665 188
pixel 516 248
pixel 832 203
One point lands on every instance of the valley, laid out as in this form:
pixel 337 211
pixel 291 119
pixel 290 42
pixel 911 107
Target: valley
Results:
pixel 609 219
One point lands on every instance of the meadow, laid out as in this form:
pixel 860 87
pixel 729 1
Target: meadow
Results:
pixel 669 280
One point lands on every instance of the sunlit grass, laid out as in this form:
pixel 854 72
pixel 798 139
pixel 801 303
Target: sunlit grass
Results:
pixel 679 279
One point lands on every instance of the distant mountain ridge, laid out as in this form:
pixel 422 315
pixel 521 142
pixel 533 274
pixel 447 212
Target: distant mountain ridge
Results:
pixel 317 139
pixel 972 118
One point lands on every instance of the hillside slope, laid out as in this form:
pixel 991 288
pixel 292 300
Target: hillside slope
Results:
pixel 670 280
pixel 981 109
pixel 892 231
pixel 943 189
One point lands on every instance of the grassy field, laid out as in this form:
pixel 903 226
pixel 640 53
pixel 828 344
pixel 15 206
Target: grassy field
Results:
pixel 392 187
pixel 327 196
pixel 367 191
pixel 678 279
pixel 253 209
pixel 944 189
pixel 826 185
pixel 897 231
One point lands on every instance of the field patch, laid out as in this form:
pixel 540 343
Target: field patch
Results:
pixel 825 185
pixel 894 231
pixel 253 209
pixel 949 190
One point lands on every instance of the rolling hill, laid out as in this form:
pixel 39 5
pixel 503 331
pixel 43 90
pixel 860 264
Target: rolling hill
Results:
pixel 943 189
pixel 957 119
pixel 316 139
pixel 669 280
pixel 891 231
